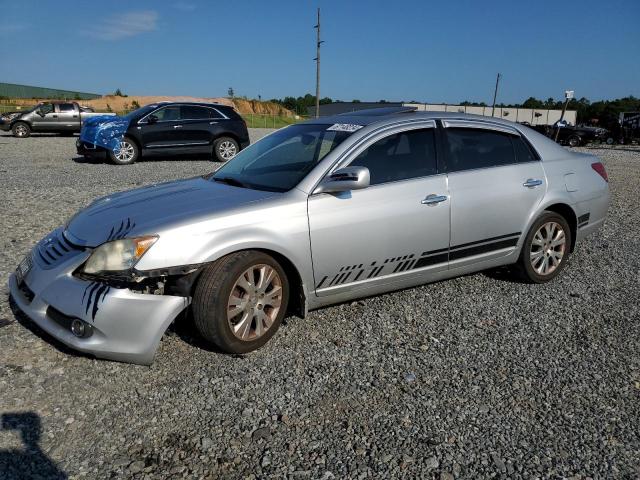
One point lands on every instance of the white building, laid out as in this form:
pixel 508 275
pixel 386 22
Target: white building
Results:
pixel 533 116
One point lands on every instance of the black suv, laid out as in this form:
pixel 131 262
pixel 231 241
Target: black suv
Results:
pixel 171 128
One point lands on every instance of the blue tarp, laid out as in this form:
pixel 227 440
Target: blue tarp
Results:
pixel 104 131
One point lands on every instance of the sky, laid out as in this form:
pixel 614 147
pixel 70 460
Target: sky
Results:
pixel 429 51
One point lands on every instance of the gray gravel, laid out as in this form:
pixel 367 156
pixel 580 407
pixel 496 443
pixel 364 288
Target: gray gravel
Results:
pixel 476 377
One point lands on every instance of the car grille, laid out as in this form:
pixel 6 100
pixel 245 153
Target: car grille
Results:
pixel 55 249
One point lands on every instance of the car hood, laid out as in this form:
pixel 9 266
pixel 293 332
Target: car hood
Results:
pixel 150 209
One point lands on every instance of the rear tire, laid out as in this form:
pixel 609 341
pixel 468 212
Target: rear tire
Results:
pixel 574 141
pixel 127 154
pixel 546 248
pixel 225 148
pixel 240 301
pixel 21 130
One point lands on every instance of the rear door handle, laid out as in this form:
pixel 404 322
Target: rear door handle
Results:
pixel 212 123
pixel 177 126
pixel 532 182
pixel 433 199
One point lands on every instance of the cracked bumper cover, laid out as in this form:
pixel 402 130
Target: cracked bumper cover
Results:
pixel 127 326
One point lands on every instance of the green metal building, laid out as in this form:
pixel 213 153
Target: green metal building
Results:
pixel 11 90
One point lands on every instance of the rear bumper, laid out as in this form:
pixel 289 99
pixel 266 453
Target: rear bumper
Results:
pixel 125 326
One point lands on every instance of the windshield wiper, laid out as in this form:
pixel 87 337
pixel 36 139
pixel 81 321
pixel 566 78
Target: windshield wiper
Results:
pixel 231 181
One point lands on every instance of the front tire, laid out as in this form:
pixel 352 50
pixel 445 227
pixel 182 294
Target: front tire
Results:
pixel 225 148
pixel 546 248
pixel 127 154
pixel 240 301
pixel 21 130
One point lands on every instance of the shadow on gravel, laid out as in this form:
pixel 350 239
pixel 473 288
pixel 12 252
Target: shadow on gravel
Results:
pixel 27 323
pixel 29 461
pixel 503 274
pixel 148 159
pixel 185 329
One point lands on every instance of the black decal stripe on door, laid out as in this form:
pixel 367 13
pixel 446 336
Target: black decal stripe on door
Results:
pixel 406 263
pixel 491 239
pixel 322 281
pixel 432 260
pixel 478 249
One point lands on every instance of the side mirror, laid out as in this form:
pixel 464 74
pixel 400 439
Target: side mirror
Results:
pixel 41 113
pixel 152 119
pixel 345 179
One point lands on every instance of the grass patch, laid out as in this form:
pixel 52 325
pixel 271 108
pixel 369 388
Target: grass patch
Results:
pixel 255 120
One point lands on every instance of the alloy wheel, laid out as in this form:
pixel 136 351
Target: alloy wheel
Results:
pixel 548 248
pixel 254 302
pixel 227 150
pixel 125 152
pixel 21 131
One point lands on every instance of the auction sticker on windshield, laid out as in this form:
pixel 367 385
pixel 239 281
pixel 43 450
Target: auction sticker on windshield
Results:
pixel 344 127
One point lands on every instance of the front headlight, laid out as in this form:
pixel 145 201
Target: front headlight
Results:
pixel 118 256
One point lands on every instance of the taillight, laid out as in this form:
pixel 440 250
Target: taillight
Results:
pixel 599 167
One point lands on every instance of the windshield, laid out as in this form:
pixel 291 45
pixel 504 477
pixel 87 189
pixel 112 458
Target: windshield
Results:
pixel 281 160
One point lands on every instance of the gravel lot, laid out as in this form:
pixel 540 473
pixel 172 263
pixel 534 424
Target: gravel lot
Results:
pixel 475 377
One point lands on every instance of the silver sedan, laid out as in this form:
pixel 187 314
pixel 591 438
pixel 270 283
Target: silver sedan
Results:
pixel 317 213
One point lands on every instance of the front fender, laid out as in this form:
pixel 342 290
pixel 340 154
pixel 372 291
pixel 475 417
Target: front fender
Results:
pixel 283 230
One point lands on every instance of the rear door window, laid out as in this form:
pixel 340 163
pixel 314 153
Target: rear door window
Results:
pixel 192 112
pixel 471 148
pixel 66 107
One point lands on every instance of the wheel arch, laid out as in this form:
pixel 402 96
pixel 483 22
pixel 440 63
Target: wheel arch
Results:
pixel 297 298
pixel 227 134
pixel 298 304
pixel 20 120
pixel 567 212
pixel 134 140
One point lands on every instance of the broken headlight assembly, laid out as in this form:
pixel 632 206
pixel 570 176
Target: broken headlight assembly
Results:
pixel 118 257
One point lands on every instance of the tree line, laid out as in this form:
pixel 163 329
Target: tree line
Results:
pixel 601 112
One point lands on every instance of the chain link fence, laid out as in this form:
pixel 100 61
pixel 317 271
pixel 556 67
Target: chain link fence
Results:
pixel 265 120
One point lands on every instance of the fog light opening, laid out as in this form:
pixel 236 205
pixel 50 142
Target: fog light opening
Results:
pixel 78 328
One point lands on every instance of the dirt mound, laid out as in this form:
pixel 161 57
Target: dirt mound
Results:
pixel 242 106
pixel 255 106
pixel 121 104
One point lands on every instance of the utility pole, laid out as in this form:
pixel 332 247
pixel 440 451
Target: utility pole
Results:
pixel 495 94
pixel 568 95
pixel 317 59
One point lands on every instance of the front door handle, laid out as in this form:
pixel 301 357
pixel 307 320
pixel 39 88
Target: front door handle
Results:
pixel 532 182
pixel 433 199
pixel 212 123
pixel 177 126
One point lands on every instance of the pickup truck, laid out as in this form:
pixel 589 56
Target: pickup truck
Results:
pixel 65 118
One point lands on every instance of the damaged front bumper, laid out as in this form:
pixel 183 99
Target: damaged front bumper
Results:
pixel 89 149
pixel 121 324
